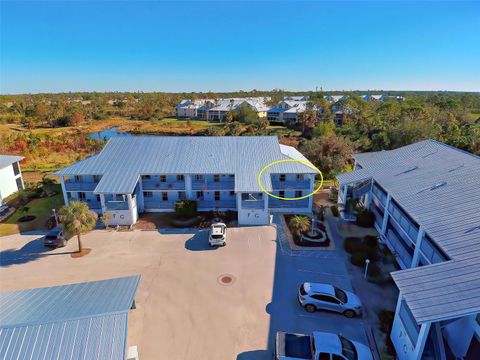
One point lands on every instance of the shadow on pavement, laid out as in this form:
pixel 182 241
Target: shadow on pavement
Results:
pixel 255 355
pixel 199 242
pixel 29 252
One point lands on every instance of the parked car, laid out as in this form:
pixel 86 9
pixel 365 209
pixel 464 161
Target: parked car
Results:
pixel 317 296
pixel 218 235
pixel 55 238
pixel 319 346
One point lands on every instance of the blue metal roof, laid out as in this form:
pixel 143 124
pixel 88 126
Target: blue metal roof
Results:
pixel 77 321
pixel 124 159
pixel 438 186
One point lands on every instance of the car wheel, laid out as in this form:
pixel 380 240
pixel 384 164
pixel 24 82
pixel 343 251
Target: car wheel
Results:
pixel 310 308
pixel 349 313
pixel 224 244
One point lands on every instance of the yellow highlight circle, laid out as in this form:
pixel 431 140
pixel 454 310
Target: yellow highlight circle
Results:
pixel 290 160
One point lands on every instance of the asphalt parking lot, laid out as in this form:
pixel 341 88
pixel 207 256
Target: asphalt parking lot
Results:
pixel 193 302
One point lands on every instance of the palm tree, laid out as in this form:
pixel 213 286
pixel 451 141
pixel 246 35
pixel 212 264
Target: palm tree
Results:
pixel 299 224
pixel 76 218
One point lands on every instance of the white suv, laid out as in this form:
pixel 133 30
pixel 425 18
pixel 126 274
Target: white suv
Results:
pixel 218 235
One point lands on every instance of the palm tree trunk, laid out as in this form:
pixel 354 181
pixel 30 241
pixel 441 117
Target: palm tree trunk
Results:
pixel 79 243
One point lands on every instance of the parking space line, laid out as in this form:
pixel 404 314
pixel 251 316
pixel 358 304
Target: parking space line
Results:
pixel 322 273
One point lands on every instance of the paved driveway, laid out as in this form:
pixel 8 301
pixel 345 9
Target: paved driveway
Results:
pixel 184 311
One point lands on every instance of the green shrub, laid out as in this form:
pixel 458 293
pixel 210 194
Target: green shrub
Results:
pixel 334 209
pixel 370 241
pixel 365 218
pixel 352 245
pixel 374 270
pixel 358 258
pixel 386 320
pixel 185 208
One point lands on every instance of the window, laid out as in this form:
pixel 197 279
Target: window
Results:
pixel 163 178
pixel 324 356
pixel 181 195
pixel 298 194
pixel 337 357
pixel 282 177
pixel 78 178
pixel 180 178
pixel 146 177
pixel 217 195
pixel 16 168
pixel 281 194
pixel 164 196
pixel 81 195
pixel 430 252
pixel 147 194
pixel 98 198
pixel 300 177
pixel 216 178
pixel 96 178
pixel 326 298
pixel 232 193
pixel 69 195
pixel 199 194
pixel 19 183
pixel 198 177
pixel 409 322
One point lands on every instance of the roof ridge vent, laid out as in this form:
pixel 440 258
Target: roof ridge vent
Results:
pixel 429 154
pixel 434 187
pixel 438 185
pixel 410 169
pixel 456 168
pixel 468 231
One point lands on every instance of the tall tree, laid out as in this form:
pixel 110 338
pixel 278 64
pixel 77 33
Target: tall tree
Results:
pixel 77 218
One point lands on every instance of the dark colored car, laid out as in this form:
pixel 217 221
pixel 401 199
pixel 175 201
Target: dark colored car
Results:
pixel 55 238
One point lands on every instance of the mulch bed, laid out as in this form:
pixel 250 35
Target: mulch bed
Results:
pixel 85 251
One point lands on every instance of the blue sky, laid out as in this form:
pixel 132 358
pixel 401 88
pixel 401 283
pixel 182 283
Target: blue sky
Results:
pixel 237 45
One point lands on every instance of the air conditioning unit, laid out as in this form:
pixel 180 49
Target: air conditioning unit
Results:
pixel 132 353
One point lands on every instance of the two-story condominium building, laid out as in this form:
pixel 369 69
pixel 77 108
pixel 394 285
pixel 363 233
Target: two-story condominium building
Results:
pixel 10 176
pixel 426 202
pixel 132 175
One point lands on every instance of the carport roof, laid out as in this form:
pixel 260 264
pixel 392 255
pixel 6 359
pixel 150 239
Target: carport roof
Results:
pixel 77 321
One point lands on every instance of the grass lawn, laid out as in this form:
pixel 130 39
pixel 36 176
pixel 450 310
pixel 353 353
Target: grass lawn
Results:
pixel 41 208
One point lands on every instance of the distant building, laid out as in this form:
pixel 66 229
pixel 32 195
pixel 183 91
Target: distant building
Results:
pixel 10 176
pixel 425 199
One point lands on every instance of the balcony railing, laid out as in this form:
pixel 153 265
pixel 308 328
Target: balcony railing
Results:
pixel 116 205
pixel 93 204
pixel 213 185
pixel 80 186
pixel 287 204
pixel 246 204
pixel 158 204
pixel 157 185
pixel 220 204
pixel 290 185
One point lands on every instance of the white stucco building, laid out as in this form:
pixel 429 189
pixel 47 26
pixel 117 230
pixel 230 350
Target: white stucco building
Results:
pixel 10 176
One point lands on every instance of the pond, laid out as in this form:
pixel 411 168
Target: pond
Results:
pixel 107 134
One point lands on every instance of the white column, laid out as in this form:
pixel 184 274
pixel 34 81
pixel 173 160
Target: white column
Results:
pixel 385 215
pixel 188 187
pixel 64 191
pixel 344 194
pixel 311 189
pixel 418 243
pixel 422 339
pixel 102 203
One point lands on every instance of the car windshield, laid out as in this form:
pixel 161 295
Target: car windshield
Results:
pixel 51 237
pixel 340 295
pixel 348 349
pixel 217 236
